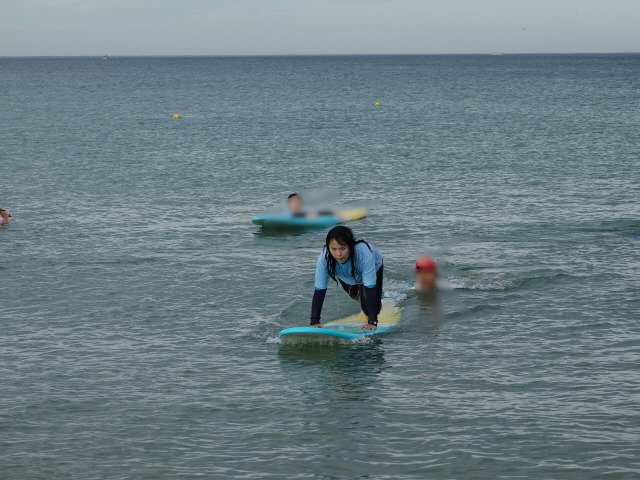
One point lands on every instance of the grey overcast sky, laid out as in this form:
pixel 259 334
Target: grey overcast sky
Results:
pixel 264 27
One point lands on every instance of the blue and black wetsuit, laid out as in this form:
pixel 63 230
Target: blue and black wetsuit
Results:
pixel 365 284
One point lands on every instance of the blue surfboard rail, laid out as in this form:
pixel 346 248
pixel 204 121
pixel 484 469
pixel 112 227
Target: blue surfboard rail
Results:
pixel 279 221
pixel 347 332
pixel 345 329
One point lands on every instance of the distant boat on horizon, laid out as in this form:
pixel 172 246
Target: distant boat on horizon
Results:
pixel 496 53
pixel 105 57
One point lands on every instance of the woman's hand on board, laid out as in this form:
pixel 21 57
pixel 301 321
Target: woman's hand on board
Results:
pixel 368 326
pixel 316 325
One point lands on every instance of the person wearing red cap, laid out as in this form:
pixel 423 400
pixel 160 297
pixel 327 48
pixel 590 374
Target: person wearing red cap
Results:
pixel 426 274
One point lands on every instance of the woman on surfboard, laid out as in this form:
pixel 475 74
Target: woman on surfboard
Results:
pixel 357 265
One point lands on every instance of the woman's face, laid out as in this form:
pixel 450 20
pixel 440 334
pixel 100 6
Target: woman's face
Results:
pixel 338 251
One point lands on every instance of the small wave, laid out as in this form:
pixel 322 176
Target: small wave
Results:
pixel 501 281
pixel 472 310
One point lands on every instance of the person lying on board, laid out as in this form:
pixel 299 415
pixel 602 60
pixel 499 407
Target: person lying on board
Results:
pixel 4 215
pixel 357 265
pixel 295 208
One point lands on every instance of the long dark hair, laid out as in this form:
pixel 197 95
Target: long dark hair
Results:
pixel 344 236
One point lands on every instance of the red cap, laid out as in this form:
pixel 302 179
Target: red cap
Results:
pixel 426 263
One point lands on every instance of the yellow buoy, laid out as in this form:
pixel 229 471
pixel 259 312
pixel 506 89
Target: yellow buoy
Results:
pixel 377 105
pixel 176 116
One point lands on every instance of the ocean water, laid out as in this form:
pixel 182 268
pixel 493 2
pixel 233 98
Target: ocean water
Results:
pixel 139 307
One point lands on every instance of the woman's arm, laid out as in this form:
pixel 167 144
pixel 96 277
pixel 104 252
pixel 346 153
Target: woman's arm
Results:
pixel 372 306
pixel 316 307
pixel 367 264
pixel 321 283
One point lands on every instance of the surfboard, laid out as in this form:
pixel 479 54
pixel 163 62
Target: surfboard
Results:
pixel 345 330
pixel 281 221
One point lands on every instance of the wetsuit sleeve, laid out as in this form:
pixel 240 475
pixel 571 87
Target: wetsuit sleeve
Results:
pixel 367 265
pixel 316 305
pixel 372 304
pixel 322 282
pixel 322 276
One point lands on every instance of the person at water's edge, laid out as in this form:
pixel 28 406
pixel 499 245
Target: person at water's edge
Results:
pixel 4 215
pixel 358 267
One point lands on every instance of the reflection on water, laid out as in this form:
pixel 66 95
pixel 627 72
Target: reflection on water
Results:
pixel 425 316
pixel 430 316
pixel 345 372
pixel 430 305
pixel 287 231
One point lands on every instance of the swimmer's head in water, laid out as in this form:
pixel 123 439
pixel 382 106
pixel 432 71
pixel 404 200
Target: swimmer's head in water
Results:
pixel 426 273
pixel 294 202
pixel 4 215
pixel 340 247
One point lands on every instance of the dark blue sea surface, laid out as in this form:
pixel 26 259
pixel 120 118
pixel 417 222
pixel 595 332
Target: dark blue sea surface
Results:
pixel 139 307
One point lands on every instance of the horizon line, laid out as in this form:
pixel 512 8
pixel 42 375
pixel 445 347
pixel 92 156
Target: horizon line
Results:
pixel 494 53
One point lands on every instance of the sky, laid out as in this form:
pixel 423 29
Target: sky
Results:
pixel 298 27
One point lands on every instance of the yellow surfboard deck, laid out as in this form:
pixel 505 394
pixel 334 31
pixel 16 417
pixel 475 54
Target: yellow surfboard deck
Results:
pixel 389 316
pixel 351 214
